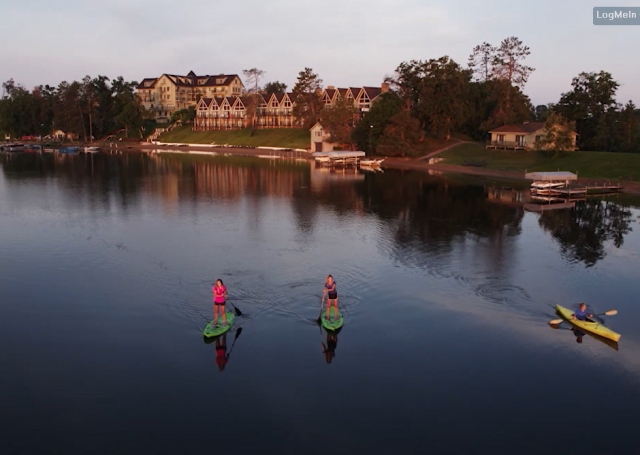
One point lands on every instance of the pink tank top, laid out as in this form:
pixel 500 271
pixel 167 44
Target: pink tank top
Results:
pixel 218 294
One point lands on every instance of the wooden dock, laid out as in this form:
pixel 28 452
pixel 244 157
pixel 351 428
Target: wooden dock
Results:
pixel 572 191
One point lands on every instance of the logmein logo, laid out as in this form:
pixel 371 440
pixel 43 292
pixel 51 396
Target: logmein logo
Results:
pixel 616 15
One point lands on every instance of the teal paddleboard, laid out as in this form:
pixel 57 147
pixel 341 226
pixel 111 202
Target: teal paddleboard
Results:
pixel 211 330
pixel 332 323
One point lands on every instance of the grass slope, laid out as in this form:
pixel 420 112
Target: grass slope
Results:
pixel 601 165
pixel 280 137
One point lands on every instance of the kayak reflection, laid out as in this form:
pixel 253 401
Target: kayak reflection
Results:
pixel 222 357
pixel 579 335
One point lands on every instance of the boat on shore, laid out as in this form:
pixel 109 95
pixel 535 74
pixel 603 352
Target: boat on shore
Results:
pixel 370 162
pixel 338 158
pixel 588 325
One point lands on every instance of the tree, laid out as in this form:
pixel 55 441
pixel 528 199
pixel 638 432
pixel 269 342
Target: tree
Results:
pixel 629 128
pixel 306 96
pixel 339 120
pixel 507 62
pixel 253 77
pixel 481 61
pixel 591 99
pixel 184 115
pixel 401 135
pixel 368 131
pixel 559 135
pixel 443 96
pixel 405 82
pixel 542 111
pixel 68 115
pixel 276 87
pixel 103 121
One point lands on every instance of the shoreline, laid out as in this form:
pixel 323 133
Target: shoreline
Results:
pixel 629 187
pixel 417 165
pixel 266 152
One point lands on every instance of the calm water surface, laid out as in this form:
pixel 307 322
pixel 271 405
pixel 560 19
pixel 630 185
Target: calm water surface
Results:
pixel 446 285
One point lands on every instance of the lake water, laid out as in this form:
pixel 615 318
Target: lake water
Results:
pixel 106 267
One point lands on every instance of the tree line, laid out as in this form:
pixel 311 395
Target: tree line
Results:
pixel 91 108
pixel 440 98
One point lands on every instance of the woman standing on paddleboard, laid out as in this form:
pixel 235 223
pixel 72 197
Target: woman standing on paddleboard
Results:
pixel 219 297
pixel 332 296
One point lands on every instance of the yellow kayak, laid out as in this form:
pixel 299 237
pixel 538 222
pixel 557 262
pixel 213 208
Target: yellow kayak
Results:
pixel 593 327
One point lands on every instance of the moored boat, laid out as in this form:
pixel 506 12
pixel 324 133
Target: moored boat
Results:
pixel 590 326
pixel 370 162
pixel 542 187
pixel 91 150
pixel 69 150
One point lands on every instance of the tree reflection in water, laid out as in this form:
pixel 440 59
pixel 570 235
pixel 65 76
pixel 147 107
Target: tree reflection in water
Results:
pixel 583 231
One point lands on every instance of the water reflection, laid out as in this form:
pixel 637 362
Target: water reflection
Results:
pixel 220 343
pixel 329 345
pixel 583 232
pixel 423 215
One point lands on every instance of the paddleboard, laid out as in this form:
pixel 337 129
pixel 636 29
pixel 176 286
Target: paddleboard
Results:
pixel 333 323
pixel 211 331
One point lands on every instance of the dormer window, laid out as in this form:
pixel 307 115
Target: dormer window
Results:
pixel 220 81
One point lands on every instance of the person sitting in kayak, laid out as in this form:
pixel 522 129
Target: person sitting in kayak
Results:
pixel 221 352
pixel 219 296
pixel 581 314
pixel 329 350
pixel 332 295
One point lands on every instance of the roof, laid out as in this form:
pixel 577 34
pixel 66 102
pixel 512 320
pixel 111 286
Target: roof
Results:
pixel 546 176
pixel 143 85
pixel 191 80
pixel 527 127
pixel 372 92
pixel 330 92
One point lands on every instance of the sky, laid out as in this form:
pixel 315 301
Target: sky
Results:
pixel 347 42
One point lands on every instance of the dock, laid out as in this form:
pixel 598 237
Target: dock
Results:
pixel 563 184
pixel 582 190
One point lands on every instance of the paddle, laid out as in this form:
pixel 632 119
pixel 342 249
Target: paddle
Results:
pixel 321 305
pixel 606 313
pixel 238 312
pixel 234 341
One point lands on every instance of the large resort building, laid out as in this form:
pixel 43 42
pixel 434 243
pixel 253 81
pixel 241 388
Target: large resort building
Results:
pixel 170 93
pixel 220 103
pixel 272 111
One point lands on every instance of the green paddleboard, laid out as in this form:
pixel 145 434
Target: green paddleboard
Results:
pixel 211 331
pixel 333 323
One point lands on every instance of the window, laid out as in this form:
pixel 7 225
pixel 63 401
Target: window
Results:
pixel 500 137
pixel 319 133
pixel 220 81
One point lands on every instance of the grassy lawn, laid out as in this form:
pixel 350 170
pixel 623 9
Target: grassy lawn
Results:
pixel 615 166
pixel 280 137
